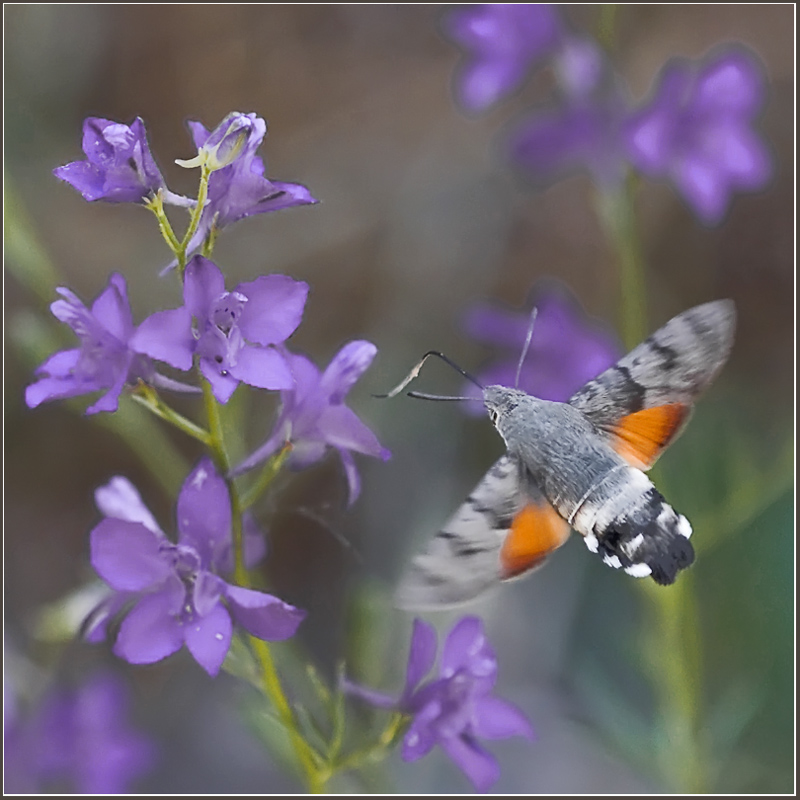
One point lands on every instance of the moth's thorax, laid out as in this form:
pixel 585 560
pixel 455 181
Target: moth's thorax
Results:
pixel 560 448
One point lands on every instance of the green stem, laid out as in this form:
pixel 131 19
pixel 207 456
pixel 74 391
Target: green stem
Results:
pixel 379 749
pixel 675 651
pixel 316 777
pixel 148 397
pixel 156 205
pixel 194 222
pixel 618 217
pixel 270 469
pixel 676 660
pixel 606 33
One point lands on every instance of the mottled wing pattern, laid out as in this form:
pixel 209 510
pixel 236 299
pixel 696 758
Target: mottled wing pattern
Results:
pixel 665 373
pixel 673 365
pixel 463 559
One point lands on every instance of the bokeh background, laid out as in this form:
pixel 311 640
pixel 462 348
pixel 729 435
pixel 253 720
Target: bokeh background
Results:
pixel 419 219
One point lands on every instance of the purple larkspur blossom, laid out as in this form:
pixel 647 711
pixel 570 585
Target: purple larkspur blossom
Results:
pixel 105 359
pixel 457 708
pixel 78 739
pixel 175 591
pixel 238 188
pixel 314 417
pixel 697 130
pixel 501 43
pixel 566 350
pixel 584 131
pixel 235 332
pixel 119 167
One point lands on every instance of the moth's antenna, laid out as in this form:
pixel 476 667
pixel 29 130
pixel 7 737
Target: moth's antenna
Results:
pixel 526 347
pixel 415 372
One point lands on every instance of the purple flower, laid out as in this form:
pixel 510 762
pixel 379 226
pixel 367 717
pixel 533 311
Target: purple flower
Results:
pixel 698 131
pixel 176 594
pixel 457 708
pixel 105 359
pixel 566 350
pixel 584 130
pixel 314 417
pixel 79 740
pixel 235 331
pixel 237 188
pixel 119 167
pixel 501 44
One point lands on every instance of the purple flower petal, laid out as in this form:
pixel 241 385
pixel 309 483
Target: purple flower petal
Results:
pixel 262 367
pixel 350 471
pixel 53 389
pixel 120 499
pixel 263 615
pixel 346 367
pixel 239 189
pixel 127 555
pixel 112 308
pixel 313 417
pixel 501 42
pixel 222 386
pixel 420 736
pixel 204 511
pixel 208 639
pixel 274 308
pixel 377 699
pixel 479 766
pixel 61 364
pixel 104 360
pixel 208 589
pixel 119 167
pixel 697 131
pixel 150 631
pixel 167 336
pixel 495 718
pixel 203 284
pixel 342 428
pixel 421 655
pixel 466 648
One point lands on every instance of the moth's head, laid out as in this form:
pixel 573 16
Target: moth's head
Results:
pixel 500 401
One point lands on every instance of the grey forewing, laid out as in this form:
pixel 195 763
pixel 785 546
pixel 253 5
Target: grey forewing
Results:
pixel 674 365
pixel 462 560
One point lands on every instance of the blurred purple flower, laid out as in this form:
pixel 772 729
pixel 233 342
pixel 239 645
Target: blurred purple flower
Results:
pixel 314 417
pixel 178 598
pixel 237 188
pixel 119 167
pixel 584 130
pixel 697 130
pixel 501 43
pixel 455 709
pixel 105 359
pixel 79 741
pixel 567 349
pixel 265 311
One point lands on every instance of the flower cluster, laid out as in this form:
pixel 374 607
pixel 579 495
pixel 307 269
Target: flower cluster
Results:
pixel 77 739
pixel 456 708
pixel 696 130
pixel 163 593
pixel 173 591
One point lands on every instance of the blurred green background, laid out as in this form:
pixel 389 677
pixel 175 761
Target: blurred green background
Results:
pixel 418 220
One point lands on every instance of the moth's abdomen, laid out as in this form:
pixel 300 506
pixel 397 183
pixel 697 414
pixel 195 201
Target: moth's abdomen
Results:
pixel 637 530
